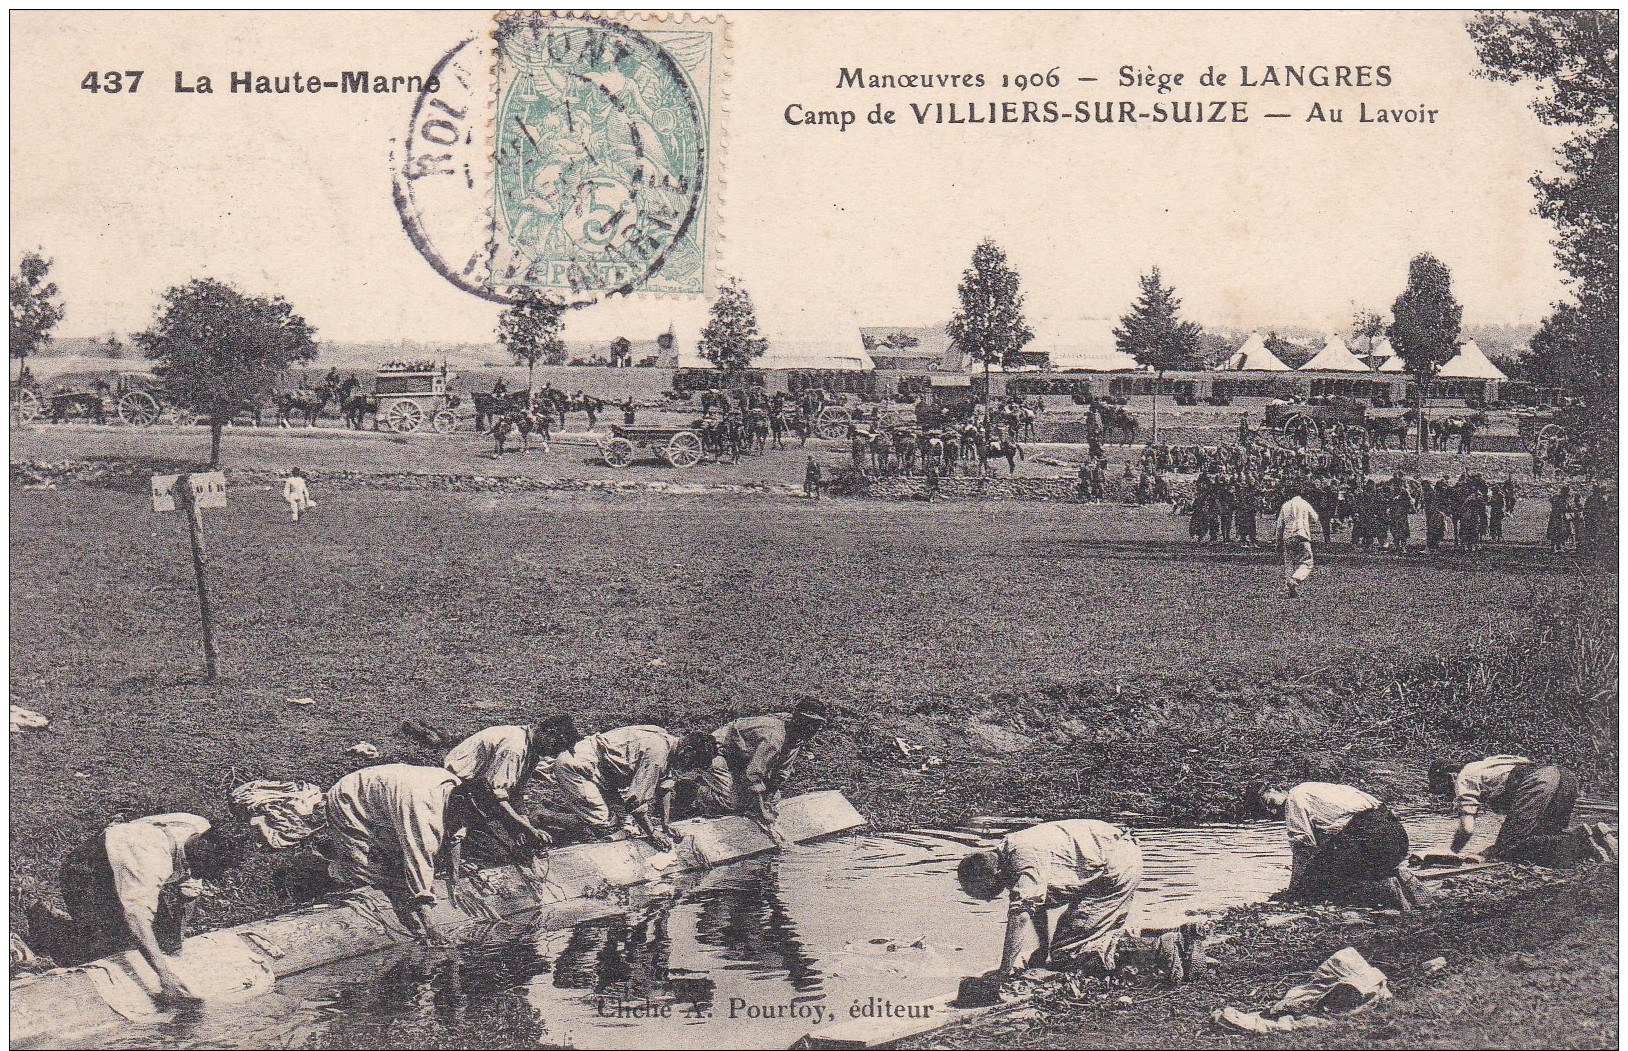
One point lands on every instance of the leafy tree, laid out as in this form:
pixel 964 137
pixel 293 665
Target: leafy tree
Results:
pixel 730 339
pixel 1368 327
pixel 529 330
pixel 1291 354
pixel 113 347
pixel 1572 59
pixel 217 349
pixel 35 310
pixel 1424 326
pixel 1154 334
pixel 989 325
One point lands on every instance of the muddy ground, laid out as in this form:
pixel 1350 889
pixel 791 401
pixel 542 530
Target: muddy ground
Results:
pixel 1515 958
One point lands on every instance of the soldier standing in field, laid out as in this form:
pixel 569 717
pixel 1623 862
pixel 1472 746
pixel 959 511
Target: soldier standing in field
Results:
pixel 1295 522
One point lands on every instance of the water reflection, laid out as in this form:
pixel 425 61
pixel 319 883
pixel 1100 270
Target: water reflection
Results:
pixel 745 919
pixel 737 957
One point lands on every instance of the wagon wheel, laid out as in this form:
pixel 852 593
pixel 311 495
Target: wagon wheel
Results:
pixel 26 404
pixel 684 449
pixel 404 417
pixel 139 409
pixel 180 417
pixel 833 422
pixel 444 421
pixel 1299 427
pixel 1551 432
pixel 618 452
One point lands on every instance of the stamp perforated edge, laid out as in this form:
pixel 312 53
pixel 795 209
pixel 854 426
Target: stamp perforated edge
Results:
pixel 719 105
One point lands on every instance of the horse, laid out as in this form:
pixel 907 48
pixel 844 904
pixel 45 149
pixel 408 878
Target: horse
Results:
pixel 1117 420
pixel 489 406
pixel 358 406
pixel 308 402
pixel 1381 428
pixel 998 446
pixel 517 420
pixel 79 403
pixel 1462 428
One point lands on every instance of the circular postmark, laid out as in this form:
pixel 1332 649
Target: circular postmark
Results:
pixel 561 155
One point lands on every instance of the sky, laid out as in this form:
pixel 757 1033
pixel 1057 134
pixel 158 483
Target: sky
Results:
pixel 1273 222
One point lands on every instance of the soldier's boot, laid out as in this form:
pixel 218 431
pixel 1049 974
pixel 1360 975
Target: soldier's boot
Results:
pixel 1193 959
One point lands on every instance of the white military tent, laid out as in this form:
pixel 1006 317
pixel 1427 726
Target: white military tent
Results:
pixel 1087 343
pixel 1383 349
pixel 805 338
pixel 1394 363
pixel 1254 356
pixel 1471 364
pixel 1334 357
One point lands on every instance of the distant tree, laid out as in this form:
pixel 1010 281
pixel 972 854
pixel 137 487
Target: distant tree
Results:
pixel 1572 58
pixel 216 349
pixel 1154 334
pixel 35 310
pixel 1291 354
pixel 113 347
pixel 529 330
pixel 1369 328
pixel 989 326
pixel 731 340
pixel 1424 326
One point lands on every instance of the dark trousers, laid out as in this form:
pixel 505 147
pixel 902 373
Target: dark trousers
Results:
pixel 1538 802
pixel 1370 847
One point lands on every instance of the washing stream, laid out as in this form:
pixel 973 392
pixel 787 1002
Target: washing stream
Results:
pixel 750 955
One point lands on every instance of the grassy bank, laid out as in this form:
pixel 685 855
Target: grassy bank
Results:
pixel 1052 658
pixel 1531 960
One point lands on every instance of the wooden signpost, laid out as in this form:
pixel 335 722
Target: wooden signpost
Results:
pixel 191 493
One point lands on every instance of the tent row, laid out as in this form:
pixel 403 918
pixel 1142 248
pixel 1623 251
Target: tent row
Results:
pixel 1093 350
pixel 1255 356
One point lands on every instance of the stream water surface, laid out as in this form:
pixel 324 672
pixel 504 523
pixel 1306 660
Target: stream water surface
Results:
pixel 750 955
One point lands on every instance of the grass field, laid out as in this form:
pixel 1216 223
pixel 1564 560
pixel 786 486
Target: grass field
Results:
pixel 1055 657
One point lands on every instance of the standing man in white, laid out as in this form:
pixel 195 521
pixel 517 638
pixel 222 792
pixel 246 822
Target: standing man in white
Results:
pixel 297 494
pixel 1296 520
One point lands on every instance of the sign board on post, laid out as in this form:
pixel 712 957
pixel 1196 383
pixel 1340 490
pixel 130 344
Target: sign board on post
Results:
pixel 208 490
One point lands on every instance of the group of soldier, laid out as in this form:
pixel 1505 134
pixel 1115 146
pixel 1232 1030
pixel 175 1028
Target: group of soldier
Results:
pixel 391 826
pixel 941 452
pixel 1585 522
pixel 1257 458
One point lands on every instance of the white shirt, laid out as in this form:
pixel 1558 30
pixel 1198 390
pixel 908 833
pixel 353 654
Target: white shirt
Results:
pixel 294 488
pixel 1057 861
pixel 1316 810
pixel 388 823
pixel 500 756
pixel 1482 783
pixel 149 854
pixel 1296 519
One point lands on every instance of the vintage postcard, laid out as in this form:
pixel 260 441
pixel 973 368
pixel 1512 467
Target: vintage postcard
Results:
pixel 824 529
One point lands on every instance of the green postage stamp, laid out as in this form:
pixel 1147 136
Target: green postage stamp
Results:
pixel 603 140
pixel 570 155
